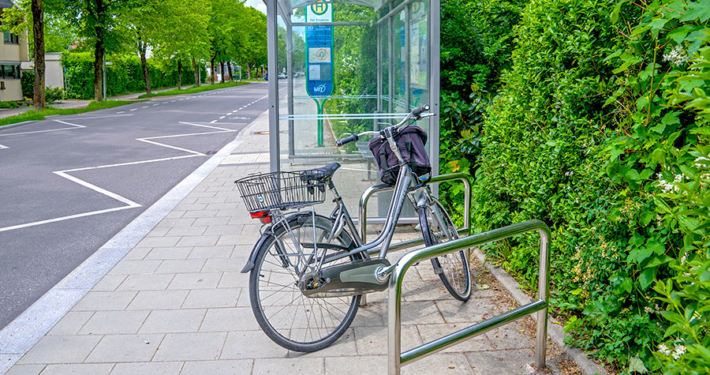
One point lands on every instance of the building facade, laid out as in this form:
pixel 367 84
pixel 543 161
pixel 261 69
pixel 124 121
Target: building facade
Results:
pixel 13 52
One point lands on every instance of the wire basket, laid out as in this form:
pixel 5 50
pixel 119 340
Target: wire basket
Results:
pixel 282 190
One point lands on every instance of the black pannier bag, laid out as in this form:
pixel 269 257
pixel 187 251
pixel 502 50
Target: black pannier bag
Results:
pixel 410 140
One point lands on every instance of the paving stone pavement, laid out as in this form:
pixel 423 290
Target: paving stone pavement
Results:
pixel 178 305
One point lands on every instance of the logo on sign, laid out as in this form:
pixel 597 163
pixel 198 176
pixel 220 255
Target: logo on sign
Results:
pixel 319 8
pixel 320 88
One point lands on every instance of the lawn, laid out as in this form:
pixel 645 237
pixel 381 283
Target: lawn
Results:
pixel 33 115
pixel 194 90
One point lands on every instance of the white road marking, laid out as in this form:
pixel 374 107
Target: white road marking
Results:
pixel 3 147
pixel 95 117
pixel 222 117
pixel 118 113
pixel 134 109
pixel 213 121
pixel 129 204
pixel 229 114
pixel 145 106
pixel 73 126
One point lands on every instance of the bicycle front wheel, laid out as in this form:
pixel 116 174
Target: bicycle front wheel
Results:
pixel 289 318
pixel 453 269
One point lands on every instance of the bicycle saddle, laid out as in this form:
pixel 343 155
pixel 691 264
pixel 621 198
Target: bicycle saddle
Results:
pixel 321 174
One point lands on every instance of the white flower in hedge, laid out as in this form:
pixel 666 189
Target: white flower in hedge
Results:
pixel 664 349
pixel 679 351
pixel 648 310
pixel 676 56
pixel 684 258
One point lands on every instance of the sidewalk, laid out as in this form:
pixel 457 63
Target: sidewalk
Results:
pixel 72 103
pixel 176 304
pixel 65 104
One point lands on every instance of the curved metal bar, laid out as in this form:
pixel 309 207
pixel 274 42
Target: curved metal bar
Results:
pixel 397 271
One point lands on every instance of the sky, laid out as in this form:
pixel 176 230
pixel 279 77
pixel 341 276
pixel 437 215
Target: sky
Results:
pixel 258 4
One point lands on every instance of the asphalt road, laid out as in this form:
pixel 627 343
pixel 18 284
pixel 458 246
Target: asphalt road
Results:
pixel 70 183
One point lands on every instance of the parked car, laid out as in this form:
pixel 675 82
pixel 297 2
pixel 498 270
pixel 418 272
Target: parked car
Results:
pixel 282 76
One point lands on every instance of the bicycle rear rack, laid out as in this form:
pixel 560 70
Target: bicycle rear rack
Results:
pixel 396 272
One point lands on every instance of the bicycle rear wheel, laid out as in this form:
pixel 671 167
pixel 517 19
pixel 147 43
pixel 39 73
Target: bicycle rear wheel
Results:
pixel 452 268
pixel 289 318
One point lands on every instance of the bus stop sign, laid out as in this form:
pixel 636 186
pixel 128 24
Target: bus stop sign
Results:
pixel 319 44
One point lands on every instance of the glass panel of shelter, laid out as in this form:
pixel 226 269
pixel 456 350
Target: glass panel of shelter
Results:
pixel 380 71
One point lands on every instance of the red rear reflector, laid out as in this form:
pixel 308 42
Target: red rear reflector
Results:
pixel 263 216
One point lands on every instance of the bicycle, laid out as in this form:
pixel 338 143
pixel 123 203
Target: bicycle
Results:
pixel 309 272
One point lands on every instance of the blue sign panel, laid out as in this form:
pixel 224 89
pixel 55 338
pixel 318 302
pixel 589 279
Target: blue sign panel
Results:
pixel 319 73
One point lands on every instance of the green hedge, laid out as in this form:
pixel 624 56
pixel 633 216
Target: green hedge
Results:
pixel 123 77
pixel 600 130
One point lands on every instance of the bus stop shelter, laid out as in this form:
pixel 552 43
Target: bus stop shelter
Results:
pixel 342 66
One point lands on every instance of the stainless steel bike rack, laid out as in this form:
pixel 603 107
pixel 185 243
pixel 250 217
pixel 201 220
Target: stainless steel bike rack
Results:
pixel 362 209
pixel 396 359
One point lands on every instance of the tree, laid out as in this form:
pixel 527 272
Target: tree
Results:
pixel 38 33
pixel 254 52
pixel 184 35
pixel 174 29
pixel 17 21
pixel 100 22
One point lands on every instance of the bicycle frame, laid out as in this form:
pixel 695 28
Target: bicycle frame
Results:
pixel 401 192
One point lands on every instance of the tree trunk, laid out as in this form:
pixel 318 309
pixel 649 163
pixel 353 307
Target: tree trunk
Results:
pixel 213 73
pixel 142 47
pixel 38 33
pixel 99 31
pixel 197 73
pixel 248 71
pixel 179 74
pixel 231 76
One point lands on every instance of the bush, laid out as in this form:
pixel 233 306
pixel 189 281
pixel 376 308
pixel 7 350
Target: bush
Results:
pixel 542 146
pixel 600 130
pixel 54 94
pixel 9 105
pixel 123 77
pixel 27 81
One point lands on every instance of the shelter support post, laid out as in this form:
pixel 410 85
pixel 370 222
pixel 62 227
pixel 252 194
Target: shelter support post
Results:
pixel 273 66
pixel 289 63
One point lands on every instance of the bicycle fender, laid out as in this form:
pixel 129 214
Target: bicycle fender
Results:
pixel 296 218
pixel 254 252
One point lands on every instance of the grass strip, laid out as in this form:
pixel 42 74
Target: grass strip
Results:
pixel 33 115
pixel 194 90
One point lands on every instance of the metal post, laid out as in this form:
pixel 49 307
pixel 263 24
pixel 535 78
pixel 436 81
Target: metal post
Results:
pixel 289 64
pixel 407 58
pixel 376 121
pixel 394 322
pixel 434 87
pixel 104 75
pixel 390 94
pixel 379 71
pixel 543 294
pixel 272 27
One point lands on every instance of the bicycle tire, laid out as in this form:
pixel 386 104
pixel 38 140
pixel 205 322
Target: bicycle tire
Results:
pixel 454 269
pixel 294 336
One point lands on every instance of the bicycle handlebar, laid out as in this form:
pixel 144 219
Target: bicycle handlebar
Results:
pixel 416 114
pixel 351 138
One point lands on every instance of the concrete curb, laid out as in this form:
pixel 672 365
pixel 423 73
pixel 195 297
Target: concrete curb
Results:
pixel 27 329
pixel 554 330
